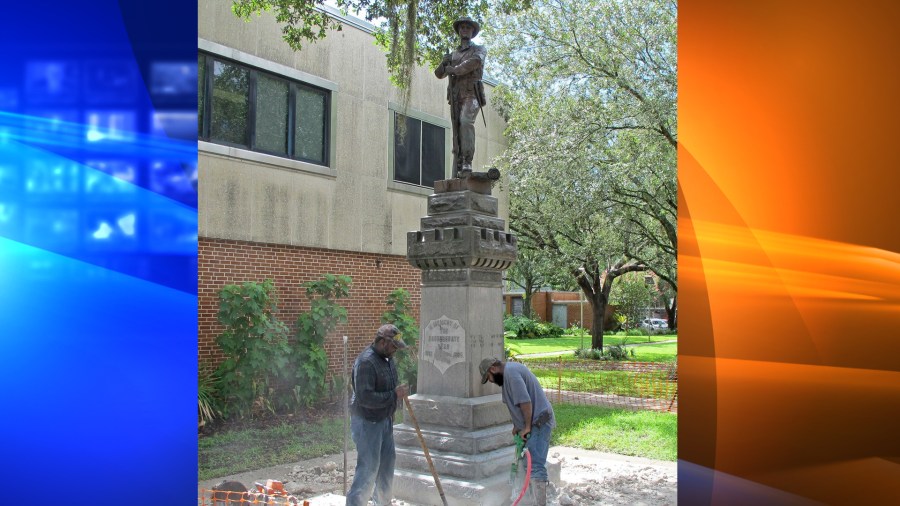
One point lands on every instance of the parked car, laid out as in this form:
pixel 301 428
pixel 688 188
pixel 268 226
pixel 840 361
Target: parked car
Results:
pixel 655 325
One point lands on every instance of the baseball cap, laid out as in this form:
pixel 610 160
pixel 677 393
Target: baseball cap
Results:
pixel 484 366
pixel 389 332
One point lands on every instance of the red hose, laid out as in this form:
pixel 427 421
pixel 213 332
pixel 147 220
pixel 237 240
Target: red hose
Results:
pixel 527 477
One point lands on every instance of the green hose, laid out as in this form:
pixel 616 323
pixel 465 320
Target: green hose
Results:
pixel 520 445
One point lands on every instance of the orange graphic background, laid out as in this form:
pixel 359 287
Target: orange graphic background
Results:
pixel 789 264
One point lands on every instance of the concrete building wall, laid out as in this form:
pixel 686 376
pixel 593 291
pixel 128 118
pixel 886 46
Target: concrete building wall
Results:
pixel 353 205
pixel 262 216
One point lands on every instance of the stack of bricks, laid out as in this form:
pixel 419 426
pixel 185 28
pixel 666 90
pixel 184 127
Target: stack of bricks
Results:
pixel 224 262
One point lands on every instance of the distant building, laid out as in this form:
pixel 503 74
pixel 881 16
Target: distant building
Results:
pixel 565 309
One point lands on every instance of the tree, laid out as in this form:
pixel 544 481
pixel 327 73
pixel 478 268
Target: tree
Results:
pixel 632 296
pixel 531 271
pixel 412 31
pixel 583 236
pixel 590 99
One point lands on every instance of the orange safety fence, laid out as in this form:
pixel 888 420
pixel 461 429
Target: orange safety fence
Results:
pixel 233 493
pixel 226 498
pixel 620 384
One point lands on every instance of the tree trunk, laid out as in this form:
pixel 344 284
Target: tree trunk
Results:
pixel 527 310
pixel 671 312
pixel 598 310
pixel 596 286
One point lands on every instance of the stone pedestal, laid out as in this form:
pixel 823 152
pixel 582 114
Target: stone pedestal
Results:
pixel 462 250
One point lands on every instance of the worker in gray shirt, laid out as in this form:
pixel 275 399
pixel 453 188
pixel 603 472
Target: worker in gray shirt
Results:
pixel 531 413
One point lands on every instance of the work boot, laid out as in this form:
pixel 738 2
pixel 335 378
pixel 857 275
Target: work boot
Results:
pixel 539 489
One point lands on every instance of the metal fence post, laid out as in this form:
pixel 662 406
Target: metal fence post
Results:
pixel 346 414
pixel 559 387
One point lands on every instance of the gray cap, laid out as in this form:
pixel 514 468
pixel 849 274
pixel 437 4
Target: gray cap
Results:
pixel 484 366
pixel 467 19
pixel 389 332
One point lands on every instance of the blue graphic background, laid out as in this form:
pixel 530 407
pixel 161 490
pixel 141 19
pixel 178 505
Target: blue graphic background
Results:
pixel 98 251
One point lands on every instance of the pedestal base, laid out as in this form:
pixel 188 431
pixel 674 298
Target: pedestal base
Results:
pixel 420 489
pixel 496 490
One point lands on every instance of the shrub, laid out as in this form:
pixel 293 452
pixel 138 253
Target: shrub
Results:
pixel 577 330
pixel 588 353
pixel 547 329
pixel 523 327
pixel 207 390
pixel 263 370
pixel 407 360
pixel 616 352
pixel 257 353
pixel 324 315
pixel 619 352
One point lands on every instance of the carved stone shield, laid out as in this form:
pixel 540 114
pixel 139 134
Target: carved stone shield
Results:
pixel 444 343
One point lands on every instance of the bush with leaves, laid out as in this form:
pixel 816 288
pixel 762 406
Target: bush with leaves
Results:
pixel 525 328
pixel 263 370
pixel 522 326
pixel 207 395
pixel 324 315
pixel 549 329
pixel 407 360
pixel 616 352
pixel 256 348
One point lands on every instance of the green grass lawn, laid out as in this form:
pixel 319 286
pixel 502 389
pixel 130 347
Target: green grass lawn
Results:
pixel 648 385
pixel 662 352
pixel 656 352
pixel 636 433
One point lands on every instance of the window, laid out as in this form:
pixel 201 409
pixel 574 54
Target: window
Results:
pixel 419 151
pixel 249 108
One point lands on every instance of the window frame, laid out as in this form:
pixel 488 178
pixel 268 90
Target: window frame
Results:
pixel 296 80
pixel 395 109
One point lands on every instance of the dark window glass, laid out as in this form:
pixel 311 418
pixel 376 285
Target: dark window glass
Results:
pixel 419 151
pixel 407 146
pixel 309 135
pixel 260 111
pixel 271 115
pixel 229 103
pixel 432 154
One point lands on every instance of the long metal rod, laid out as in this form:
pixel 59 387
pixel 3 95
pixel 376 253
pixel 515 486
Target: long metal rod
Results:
pixel 437 481
pixel 346 414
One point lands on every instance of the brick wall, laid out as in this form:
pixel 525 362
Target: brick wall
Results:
pixel 542 304
pixel 223 262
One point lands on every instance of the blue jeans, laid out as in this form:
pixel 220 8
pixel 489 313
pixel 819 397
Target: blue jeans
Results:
pixel 374 462
pixel 538 445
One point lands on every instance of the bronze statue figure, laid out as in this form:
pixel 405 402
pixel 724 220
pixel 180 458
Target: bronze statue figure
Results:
pixel 465 92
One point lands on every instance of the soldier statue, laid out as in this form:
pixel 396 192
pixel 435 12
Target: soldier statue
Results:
pixel 465 92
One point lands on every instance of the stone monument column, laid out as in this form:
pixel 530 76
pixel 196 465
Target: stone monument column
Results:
pixel 462 250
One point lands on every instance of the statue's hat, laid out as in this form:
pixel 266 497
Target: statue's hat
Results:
pixel 467 19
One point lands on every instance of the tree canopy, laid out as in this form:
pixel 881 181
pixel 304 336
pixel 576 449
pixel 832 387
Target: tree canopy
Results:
pixel 589 93
pixel 412 31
